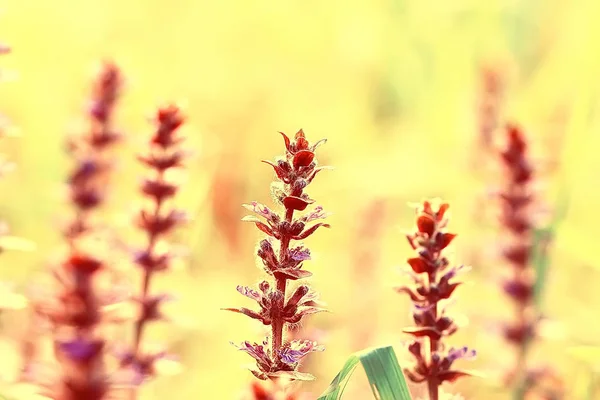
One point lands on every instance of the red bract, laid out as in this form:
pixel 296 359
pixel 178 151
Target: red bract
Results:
pixel 168 120
pixel 432 275
pixel 82 264
pixel 294 173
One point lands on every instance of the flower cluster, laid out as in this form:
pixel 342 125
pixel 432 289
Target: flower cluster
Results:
pixel 276 357
pixel 284 363
pixel 157 222
pixel 76 311
pixel 433 282
pixel 516 201
pixel 517 210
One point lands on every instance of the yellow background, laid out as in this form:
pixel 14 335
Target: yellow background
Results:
pixel 393 85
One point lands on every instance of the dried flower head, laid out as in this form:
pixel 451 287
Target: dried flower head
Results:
pixel 283 262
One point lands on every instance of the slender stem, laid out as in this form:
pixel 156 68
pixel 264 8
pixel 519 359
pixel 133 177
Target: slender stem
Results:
pixel 147 275
pixel 432 380
pixel 145 287
pixel 520 378
pixel 433 386
pixel 277 324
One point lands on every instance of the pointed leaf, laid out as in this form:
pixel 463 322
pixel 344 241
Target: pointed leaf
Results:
pixel 423 331
pixel 263 227
pixel 452 375
pixel 303 158
pixel 418 265
pixel 446 239
pixel 278 171
pixel 310 231
pixel 249 313
pixel 296 203
pixel 414 296
pixel 286 139
pixel 382 369
pixel 294 274
pixel 317 144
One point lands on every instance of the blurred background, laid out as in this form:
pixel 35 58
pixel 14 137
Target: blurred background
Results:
pixel 406 93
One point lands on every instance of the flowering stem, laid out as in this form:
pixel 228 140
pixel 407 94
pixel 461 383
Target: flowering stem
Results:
pixel 433 281
pixel 433 385
pixel 148 272
pixel 275 357
pixel 76 319
pixel 163 155
pixel 518 201
pixel 278 324
pixel 432 381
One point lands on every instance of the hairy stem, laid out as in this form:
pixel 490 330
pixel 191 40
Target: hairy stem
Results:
pixel 432 381
pixel 145 288
pixel 278 324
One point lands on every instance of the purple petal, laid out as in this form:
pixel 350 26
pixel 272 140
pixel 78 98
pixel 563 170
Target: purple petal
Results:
pixel 463 352
pixel 255 350
pixel 317 213
pixel 261 210
pixel 297 349
pixel 300 254
pixel 452 272
pixel 249 292
pixel 81 350
pixel 424 307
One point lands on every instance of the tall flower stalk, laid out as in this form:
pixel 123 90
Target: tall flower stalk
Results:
pixel 157 222
pixel 433 283
pixel 76 311
pixel 518 203
pixel 283 262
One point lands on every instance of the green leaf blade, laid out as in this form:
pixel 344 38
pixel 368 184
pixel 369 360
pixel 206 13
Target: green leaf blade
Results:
pixel 383 372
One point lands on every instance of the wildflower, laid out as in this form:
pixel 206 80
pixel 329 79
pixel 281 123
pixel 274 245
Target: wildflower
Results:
pixel 517 214
pixel 157 222
pixel 277 358
pixel 76 310
pixel 433 282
